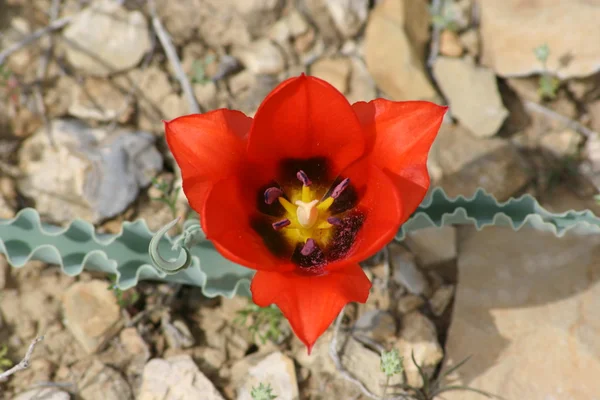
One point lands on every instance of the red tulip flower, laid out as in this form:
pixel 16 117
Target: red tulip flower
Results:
pixel 306 190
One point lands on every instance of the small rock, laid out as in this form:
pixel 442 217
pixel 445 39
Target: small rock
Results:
pixel 134 344
pixel 100 100
pixel 470 41
pixel 409 303
pixel 364 364
pixel 91 174
pixel 376 324
pixel 206 95
pixel 450 44
pixel 468 163
pixel 511 29
pixel 91 313
pixel 296 23
pixel 177 334
pixel 261 57
pixel 101 382
pixel 395 40
pixel 118 41
pixel 176 378
pixel 349 16
pixel 152 87
pixel 419 337
pixel 405 270
pixel 563 143
pixel 336 71
pixel 276 370
pixel 433 246
pixel 440 299
pixel 44 394
pixel 480 108
pixel 182 18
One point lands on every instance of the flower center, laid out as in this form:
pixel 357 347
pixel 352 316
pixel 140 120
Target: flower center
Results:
pixel 308 220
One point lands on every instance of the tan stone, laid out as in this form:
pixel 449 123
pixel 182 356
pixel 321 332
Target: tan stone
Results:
pixel 277 370
pixel 91 313
pixel 118 41
pixel 450 44
pixel 526 310
pixel 261 57
pixel 511 29
pixel 336 71
pixel 395 40
pixel 479 108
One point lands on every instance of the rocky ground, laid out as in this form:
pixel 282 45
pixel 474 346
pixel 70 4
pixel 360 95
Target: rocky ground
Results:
pixel 84 85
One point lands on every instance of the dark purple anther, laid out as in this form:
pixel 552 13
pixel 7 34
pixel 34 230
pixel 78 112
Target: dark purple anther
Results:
pixel 272 194
pixel 302 177
pixel 340 188
pixel 309 247
pixel 280 224
pixel 334 221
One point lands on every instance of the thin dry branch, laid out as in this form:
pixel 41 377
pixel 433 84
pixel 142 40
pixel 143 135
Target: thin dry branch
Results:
pixel 41 75
pixel 24 363
pixel 57 24
pixel 568 122
pixel 436 8
pixel 167 44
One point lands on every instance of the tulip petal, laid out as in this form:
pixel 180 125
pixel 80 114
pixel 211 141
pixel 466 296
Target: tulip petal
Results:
pixel 310 302
pixel 303 118
pixel 227 221
pixel 383 205
pixel 207 147
pixel 399 136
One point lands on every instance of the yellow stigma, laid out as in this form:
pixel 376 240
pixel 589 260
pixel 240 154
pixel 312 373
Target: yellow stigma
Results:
pixel 307 213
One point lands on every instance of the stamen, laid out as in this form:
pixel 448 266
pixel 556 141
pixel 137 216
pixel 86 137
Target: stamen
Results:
pixel 309 247
pixel 272 194
pixel 302 177
pixel 281 224
pixel 289 207
pixel 334 221
pixel 337 191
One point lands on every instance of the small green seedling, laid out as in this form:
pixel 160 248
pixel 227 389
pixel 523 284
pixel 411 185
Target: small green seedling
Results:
pixel 548 84
pixel 265 322
pixel 124 299
pixel 5 362
pixel 167 195
pixel 262 392
pixel 199 70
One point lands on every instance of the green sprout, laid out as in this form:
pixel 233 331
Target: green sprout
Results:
pixel 265 322
pixel 391 364
pixel 167 195
pixel 199 69
pixel 262 392
pixel 124 299
pixel 444 18
pixel 5 362
pixel 548 84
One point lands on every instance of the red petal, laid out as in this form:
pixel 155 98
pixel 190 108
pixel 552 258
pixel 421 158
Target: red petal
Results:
pixel 226 220
pixel 305 117
pixel 384 207
pixel 311 302
pixel 400 135
pixel 207 147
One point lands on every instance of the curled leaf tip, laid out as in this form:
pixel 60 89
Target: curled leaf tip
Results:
pixel 184 259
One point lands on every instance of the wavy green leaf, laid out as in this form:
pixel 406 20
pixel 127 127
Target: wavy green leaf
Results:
pixel 78 246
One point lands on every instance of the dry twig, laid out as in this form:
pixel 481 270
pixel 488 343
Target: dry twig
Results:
pixel 41 75
pixel 57 24
pixel 568 122
pixel 436 7
pixel 24 363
